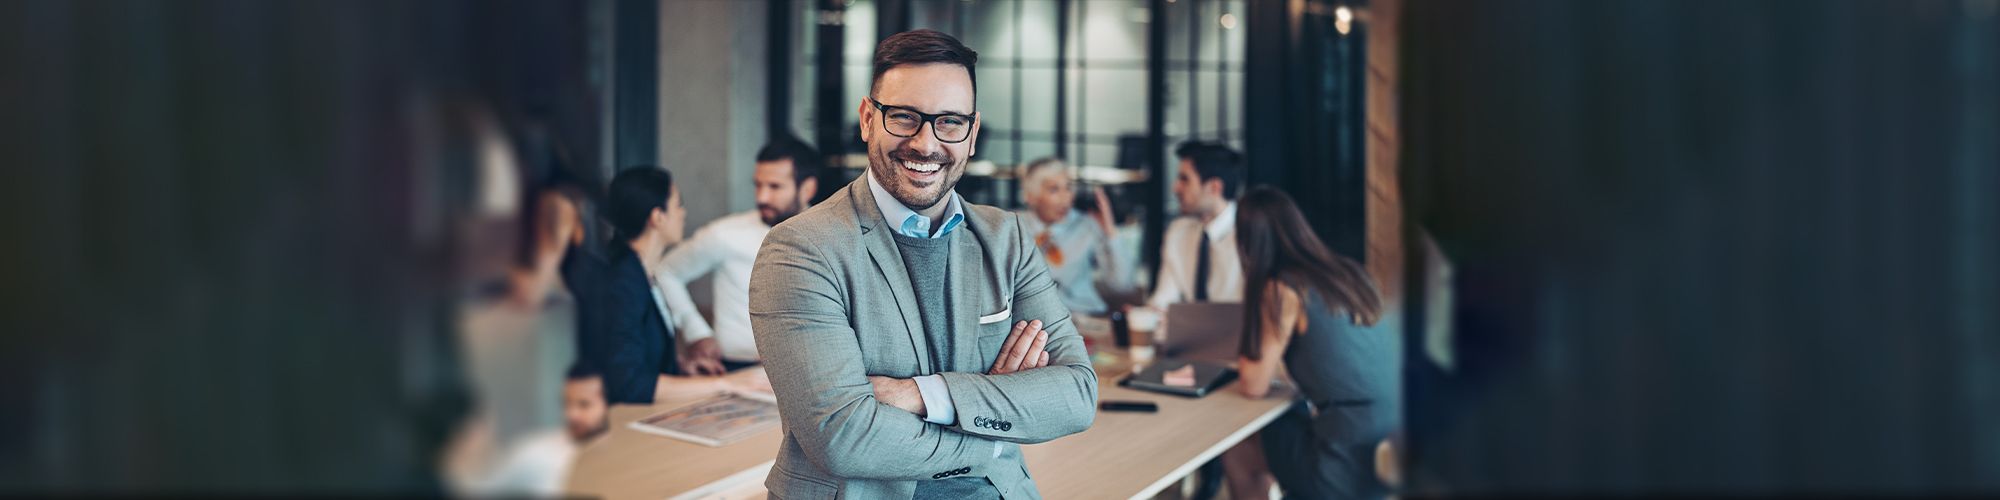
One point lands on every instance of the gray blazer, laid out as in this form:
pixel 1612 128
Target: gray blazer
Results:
pixel 831 304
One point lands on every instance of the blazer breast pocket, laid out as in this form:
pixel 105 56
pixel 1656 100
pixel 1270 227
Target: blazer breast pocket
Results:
pixel 993 329
pixel 999 317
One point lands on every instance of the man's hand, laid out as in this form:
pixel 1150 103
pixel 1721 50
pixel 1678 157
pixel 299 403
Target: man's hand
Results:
pixel 703 358
pixel 898 392
pixel 1023 349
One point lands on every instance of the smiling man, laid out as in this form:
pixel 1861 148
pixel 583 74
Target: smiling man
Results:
pixel 914 340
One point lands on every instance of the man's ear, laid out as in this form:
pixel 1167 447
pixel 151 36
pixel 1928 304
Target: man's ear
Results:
pixel 867 132
pixel 808 189
pixel 1213 186
pixel 972 141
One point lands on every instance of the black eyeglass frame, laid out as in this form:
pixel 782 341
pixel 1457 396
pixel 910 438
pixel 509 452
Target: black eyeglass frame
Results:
pixel 927 118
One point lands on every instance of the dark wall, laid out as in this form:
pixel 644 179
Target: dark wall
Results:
pixel 1306 116
pixel 234 233
pixel 1742 247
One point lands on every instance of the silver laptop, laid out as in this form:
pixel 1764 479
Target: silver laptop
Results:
pixel 1201 331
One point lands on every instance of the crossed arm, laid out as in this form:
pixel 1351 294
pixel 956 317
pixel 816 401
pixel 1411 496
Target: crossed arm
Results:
pixel 1038 404
pixel 1053 396
pixel 830 405
pixel 1024 349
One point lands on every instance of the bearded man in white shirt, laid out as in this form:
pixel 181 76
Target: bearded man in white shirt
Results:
pixel 787 179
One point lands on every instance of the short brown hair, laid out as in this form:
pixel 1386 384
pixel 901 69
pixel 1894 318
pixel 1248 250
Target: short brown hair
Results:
pixel 924 46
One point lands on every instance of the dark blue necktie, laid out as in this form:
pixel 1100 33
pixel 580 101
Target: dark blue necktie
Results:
pixel 1201 271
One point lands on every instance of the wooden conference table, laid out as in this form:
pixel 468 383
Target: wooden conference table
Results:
pixel 1122 455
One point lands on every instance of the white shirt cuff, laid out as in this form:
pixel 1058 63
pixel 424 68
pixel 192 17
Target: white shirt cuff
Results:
pixel 937 400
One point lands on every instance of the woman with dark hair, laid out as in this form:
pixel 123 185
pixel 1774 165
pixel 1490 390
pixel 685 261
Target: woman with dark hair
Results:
pixel 1318 312
pixel 626 329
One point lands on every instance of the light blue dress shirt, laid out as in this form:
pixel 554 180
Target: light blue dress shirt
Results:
pixel 910 223
pixel 1090 259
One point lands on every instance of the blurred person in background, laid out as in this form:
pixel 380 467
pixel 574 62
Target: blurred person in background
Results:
pixel 539 463
pixel 626 329
pixel 786 179
pixel 1198 264
pixel 1079 248
pixel 586 415
pixel 562 237
pixel 1317 315
pixel 518 326
pixel 1198 254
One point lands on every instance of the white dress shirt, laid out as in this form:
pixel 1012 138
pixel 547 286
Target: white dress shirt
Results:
pixel 728 248
pixel 1177 260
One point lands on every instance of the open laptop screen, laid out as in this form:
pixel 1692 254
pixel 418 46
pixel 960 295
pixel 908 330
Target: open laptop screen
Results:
pixel 1201 331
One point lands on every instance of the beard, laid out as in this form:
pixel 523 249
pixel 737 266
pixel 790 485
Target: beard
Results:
pixel 772 215
pixel 887 168
pixel 581 435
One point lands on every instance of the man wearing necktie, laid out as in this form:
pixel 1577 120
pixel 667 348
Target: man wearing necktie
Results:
pixel 1198 261
pixel 1198 256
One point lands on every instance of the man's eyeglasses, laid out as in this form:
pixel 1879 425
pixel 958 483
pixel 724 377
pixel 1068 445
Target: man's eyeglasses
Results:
pixel 904 122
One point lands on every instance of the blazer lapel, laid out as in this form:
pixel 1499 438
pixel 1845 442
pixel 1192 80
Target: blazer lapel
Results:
pixel 970 285
pixel 882 249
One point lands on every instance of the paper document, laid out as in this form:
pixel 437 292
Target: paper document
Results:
pixel 717 421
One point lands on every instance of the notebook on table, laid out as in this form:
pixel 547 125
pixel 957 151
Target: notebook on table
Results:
pixel 1181 378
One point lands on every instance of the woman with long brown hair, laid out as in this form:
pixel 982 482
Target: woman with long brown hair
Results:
pixel 1319 314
